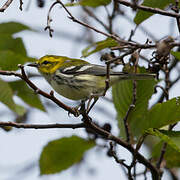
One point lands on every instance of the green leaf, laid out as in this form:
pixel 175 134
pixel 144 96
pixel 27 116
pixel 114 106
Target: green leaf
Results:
pixel 143 15
pixel 122 97
pixel 141 119
pixel 61 154
pixel 6 97
pixel 171 156
pixel 20 110
pixel 176 54
pixel 98 46
pixel 170 137
pixel 21 89
pixel 12 27
pixel 71 4
pixel 8 43
pixel 94 3
pixel 163 114
pixel 9 60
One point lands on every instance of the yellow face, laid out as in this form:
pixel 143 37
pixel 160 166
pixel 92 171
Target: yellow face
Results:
pixel 49 64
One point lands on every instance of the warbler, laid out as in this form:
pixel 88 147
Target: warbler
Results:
pixel 77 79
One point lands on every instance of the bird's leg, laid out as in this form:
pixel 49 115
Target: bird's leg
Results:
pixel 88 104
pixel 95 97
pixel 81 105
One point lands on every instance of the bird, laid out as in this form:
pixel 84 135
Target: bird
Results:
pixel 77 79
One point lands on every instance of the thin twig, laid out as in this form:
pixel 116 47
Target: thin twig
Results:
pixel 107 78
pixel 91 14
pixel 113 36
pixel 163 151
pixel 148 9
pixel 161 98
pixel 176 10
pixel 134 161
pixel 113 154
pixel 131 107
pixel 173 173
pixel 140 141
pixel 112 16
pixel 120 161
pixel 163 89
pixel 49 20
pixel 87 25
pixel 6 5
pixel 140 27
pixel 167 81
pixel 21 4
pixel 126 125
pixel 113 60
pixel 41 126
pixel 143 173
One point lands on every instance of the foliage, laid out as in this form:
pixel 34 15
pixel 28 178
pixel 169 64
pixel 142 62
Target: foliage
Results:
pixel 94 3
pixel 176 54
pixel 98 46
pixel 136 119
pixel 143 15
pixel 122 97
pixel 12 53
pixel 61 154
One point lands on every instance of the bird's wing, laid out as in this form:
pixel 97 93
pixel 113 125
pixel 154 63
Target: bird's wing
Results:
pixel 92 69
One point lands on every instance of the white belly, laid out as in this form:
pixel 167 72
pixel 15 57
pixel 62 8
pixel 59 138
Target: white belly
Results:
pixel 71 93
pixel 77 90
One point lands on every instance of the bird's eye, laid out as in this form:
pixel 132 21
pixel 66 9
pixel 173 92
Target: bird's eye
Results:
pixel 46 62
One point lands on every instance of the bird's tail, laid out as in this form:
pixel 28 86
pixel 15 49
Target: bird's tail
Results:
pixel 115 77
pixel 134 76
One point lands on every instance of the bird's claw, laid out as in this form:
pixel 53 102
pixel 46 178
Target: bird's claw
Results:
pixel 76 111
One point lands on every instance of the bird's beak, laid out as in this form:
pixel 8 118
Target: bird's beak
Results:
pixel 33 65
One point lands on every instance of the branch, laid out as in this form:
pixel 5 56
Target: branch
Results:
pixel 134 59
pixel 131 107
pixel 120 161
pixel 6 5
pixel 148 9
pixel 161 98
pixel 21 5
pixel 165 93
pixel 91 14
pixel 122 43
pixel 86 25
pixel 173 172
pixel 163 150
pixel 120 58
pixel 88 122
pixel 49 20
pixel 112 15
pixel 107 78
pixel 113 36
pixel 176 10
pixel 38 91
pixel 41 126
pixel 126 125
